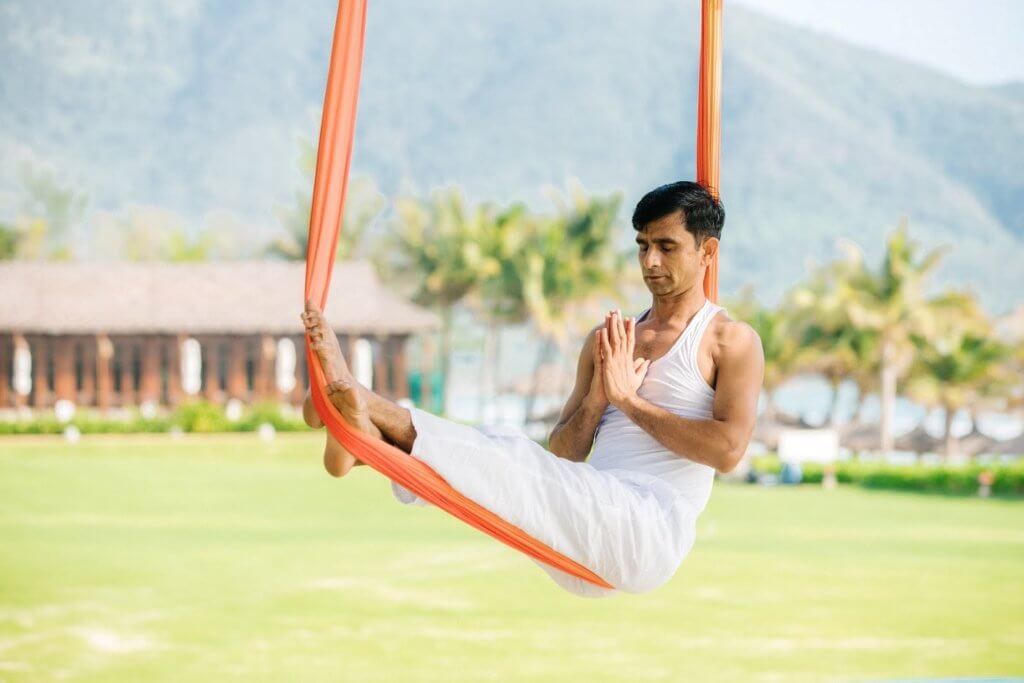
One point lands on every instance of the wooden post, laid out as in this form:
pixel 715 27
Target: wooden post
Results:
pixel 40 382
pixel 381 381
pixel 6 370
pixel 104 378
pixel 126 355
pixel 299 392
pixel 266 352
pixel 172 354
pixel 238 382
pixel 426 372
pixel 87 355
pixel 211 370
pixel 400 377
pixel 150 384
pixel 64 369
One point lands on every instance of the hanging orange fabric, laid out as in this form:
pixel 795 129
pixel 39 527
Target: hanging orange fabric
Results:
pixel 334 157
pixel 709 116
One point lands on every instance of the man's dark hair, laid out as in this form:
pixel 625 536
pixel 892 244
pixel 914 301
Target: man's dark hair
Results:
pixel 703 213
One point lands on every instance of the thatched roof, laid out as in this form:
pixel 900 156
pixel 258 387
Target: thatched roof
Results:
pixel 241 297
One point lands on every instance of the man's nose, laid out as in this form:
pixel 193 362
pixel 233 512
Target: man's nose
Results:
pixel 651 259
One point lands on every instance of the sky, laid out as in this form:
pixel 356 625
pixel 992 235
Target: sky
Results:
pixel 978 41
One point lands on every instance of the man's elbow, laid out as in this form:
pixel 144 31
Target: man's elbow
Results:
pixel 556 445
pixel 731 456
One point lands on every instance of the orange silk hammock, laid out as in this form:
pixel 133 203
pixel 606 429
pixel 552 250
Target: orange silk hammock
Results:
pixel 332 166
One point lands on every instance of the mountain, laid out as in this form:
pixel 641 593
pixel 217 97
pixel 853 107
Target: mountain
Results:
pixel 200 107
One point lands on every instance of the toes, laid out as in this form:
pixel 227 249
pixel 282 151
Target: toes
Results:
pixel 311 317
pixel 339 386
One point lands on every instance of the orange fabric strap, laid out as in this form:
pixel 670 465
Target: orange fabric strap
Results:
pixel 709 116
pixel 334 157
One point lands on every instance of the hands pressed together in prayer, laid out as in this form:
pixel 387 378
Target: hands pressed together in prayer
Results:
pixel 617 375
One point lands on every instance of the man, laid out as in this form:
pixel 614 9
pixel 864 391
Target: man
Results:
pixel 664 401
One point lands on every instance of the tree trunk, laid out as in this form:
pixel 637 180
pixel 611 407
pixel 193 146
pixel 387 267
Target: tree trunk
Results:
pixel 447 314
pixel 496 375
pixel 833 409
pixel 888 396
pixel 858 410
pixel 951 442
pixel 531 398
pixel 487 383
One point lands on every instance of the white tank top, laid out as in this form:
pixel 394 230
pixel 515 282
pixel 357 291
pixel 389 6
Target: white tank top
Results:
pixel 674 383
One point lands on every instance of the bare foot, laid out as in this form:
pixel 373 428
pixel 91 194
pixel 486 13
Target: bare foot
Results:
pixel 342 391
pixel 325 343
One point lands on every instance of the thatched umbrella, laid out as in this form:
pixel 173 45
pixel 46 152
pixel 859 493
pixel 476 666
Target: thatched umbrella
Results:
pixel 1014 446
pixel 976 443
pixel 768 428
pixel 862 436
pixel 919 440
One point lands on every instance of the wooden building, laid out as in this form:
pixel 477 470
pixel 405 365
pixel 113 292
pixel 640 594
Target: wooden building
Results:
pixel 115 334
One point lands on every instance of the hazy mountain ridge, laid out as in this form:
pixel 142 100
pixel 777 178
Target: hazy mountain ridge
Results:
pixel 201 106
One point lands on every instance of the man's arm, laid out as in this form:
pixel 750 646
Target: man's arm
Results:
pixel 573 435
pixel 721 441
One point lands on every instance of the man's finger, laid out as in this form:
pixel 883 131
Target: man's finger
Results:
pixel 613 325
pixel 620 328
pixel 606 347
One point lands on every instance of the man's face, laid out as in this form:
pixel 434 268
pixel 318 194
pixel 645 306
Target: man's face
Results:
pixel 670 260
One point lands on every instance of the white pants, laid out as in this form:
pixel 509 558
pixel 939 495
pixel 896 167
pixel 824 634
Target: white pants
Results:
pixel 631 529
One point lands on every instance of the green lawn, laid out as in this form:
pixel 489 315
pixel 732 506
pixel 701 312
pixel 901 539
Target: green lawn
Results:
pixel 224 558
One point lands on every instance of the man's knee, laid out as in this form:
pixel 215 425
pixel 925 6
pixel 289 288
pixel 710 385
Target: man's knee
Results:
pixel 647 581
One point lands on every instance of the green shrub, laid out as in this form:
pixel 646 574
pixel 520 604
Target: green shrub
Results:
pixel 201 417
pixel 196 416
pixel 272 414
pixel 943 479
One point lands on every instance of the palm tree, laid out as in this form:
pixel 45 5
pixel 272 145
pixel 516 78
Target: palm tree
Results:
pixel 891 302
pixel 434 254
pixel 958 362
pixel 778 329
pixel 569 259
pixel 49 213
pixel 831 344
pixel 499 300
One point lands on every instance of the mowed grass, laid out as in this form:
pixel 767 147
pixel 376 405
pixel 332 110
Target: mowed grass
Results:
pixel 226 558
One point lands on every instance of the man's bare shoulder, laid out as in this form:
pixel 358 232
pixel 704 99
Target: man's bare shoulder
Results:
pixel 732 339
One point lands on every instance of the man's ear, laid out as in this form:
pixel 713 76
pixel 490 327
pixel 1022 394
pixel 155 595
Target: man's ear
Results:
pixel 708 250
